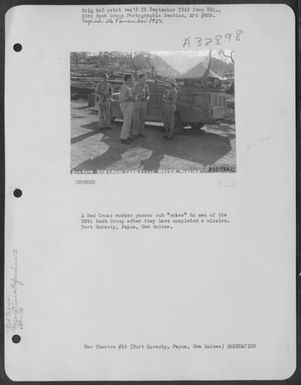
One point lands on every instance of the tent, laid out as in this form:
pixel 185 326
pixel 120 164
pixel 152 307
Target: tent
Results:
pixel 200 70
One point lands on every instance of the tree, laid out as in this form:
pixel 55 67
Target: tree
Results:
pixel 77 57
pixel 226 57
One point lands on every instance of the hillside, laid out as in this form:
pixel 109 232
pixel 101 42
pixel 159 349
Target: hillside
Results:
pixel 218 68
pixel 221 68
pixel 86 69
pixel 153 64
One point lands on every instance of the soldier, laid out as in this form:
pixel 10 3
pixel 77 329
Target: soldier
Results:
pixel 103 94
pixel 141 93
pixel 126 99
pixel 169 109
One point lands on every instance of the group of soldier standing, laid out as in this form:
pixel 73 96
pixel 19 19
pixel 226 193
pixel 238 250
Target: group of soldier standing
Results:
pixel 133 99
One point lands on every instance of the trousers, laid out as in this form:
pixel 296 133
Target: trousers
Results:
pixel 104 119
pixel 127 109
pixel 139 116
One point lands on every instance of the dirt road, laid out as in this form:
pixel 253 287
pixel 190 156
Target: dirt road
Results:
pixel 93 151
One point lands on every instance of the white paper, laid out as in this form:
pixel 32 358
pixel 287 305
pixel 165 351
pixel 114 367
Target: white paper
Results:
pixel 228 286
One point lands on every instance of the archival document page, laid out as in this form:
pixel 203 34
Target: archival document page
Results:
pixel 150 192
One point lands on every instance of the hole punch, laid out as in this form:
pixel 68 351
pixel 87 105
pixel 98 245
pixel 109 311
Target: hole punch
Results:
pixel 18 47
pixel 17 193
pixel 16 338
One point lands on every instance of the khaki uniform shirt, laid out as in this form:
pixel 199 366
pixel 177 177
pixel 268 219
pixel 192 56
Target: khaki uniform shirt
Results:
pixel 141 92
pixel 126 94
pixel 103 91
pixel 171 96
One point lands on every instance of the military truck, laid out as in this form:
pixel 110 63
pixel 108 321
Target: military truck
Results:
pixel 197 103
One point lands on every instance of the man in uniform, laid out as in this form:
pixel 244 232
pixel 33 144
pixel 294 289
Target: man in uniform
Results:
pixel 126 99
pixel 141 93
pixel 103 97
pixel 169 109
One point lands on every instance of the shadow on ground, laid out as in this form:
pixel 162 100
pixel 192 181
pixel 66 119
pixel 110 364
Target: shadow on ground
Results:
pixel 204 148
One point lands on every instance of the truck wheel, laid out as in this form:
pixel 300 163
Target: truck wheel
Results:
pixel 179 126
pixel 197 126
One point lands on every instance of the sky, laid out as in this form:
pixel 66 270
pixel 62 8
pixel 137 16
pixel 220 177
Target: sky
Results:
pixel 182 61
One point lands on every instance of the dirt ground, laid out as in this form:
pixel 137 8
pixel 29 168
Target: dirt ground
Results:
pixel 93 151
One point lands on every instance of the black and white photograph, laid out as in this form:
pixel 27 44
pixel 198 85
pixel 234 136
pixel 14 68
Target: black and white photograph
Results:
pixel 150 193
pixel 156 111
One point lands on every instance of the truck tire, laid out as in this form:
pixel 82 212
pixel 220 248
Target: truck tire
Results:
pixel 198 126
